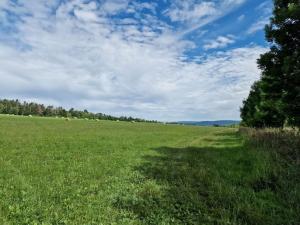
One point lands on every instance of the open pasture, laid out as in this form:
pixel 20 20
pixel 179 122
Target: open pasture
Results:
pixel 54 171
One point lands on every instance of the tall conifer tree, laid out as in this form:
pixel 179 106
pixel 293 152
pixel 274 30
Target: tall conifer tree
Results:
pixel 279 100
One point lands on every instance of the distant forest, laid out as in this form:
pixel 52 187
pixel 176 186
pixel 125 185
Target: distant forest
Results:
pixel 17 107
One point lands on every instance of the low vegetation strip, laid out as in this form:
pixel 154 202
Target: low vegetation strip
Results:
pixel 54 171
pixel 286 142
pixel 283 146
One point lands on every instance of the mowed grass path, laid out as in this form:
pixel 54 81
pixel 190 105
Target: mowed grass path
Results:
pixel 54 171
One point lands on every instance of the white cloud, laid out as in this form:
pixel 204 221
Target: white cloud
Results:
pixel 4 4
pixel 257 26
pixel 265 11
pixel 86 15
pixel 188 12
pixel 197 14
pixel 266 7
pixel 151 6
pixel 114 6
pixel 74 62
pixel 220 42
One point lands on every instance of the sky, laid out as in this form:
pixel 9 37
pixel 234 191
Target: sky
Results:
pixel 166 60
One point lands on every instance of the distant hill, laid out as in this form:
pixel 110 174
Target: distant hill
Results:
pixel 210 123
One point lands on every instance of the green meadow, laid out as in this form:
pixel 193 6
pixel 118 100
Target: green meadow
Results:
pixel 54 171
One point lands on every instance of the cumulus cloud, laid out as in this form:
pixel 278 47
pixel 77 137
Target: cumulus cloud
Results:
pixel 71 54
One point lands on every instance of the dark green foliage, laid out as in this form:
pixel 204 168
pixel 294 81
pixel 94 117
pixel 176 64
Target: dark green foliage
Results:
pixel 279 91
pixel 260 112
pixel 250 111
pixel 16 107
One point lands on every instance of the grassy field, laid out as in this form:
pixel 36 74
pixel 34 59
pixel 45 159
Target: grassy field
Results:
pixel 54 171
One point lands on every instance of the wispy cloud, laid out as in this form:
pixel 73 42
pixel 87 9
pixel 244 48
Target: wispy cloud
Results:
pixel 187 11
pixel 219 42
pixel 257 26
pixel 195 14
pixel 264 10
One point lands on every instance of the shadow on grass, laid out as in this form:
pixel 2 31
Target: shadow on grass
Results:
pixel 193 185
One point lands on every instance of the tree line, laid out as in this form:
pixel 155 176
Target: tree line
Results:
pixel 274 100
pixel 17 107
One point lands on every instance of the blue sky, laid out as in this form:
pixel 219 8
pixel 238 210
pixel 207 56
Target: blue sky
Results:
pixel 165 60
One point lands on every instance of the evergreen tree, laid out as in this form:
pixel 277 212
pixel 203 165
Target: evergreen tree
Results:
pixel 279 92
pixel 284 34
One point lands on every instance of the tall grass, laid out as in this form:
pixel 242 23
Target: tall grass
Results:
pixel 284 147
pixel 285 142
